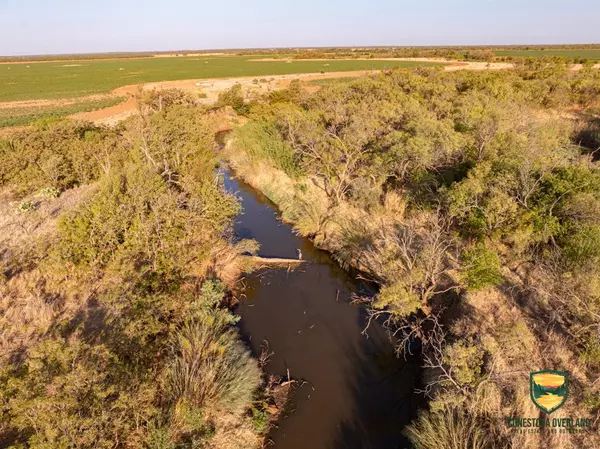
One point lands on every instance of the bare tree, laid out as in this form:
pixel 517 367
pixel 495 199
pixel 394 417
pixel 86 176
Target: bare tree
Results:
pixel 421 259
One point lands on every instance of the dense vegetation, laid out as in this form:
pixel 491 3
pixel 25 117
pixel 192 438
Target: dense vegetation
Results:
pixel 570 53
pixel 473 199
pixel 113 330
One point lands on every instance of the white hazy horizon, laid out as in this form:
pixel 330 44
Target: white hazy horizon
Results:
pixel 37 27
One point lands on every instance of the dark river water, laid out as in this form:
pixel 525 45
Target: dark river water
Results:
pixel 357 393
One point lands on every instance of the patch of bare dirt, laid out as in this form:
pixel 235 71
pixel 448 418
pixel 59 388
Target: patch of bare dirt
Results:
pixel 209 88
pixel 114 114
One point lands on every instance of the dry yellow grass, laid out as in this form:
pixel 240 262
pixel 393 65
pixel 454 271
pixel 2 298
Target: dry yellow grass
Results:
pixel 26 313
pixel 17 227
pixel 511 338
pixel 233 432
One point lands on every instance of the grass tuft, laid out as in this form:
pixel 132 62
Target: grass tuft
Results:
pixel 212 368
pixel 448 429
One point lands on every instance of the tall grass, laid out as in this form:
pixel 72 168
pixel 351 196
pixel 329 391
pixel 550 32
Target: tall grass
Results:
pixel 448 429
pixel 261 141
pixel 212 369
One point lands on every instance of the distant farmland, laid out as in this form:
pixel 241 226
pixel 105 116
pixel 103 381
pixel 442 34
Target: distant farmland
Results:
pixel 592 54
pixel 69 79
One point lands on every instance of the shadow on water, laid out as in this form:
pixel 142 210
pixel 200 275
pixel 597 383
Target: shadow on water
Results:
pixel 357 394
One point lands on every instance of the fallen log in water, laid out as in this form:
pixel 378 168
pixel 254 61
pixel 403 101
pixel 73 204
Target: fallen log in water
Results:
pixel 275 261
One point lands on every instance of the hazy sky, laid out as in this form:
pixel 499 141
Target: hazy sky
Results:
pixel 76 26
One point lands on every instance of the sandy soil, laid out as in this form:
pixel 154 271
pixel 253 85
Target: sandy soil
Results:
pixel 114 114
pixel 210 87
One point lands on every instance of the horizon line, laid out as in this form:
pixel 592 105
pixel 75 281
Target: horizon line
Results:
pixel 331 47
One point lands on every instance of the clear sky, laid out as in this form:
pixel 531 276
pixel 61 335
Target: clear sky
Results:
pixel 79 26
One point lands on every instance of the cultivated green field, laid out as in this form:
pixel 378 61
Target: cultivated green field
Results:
pixel 68 79
pixel 593 54
pixel 29 114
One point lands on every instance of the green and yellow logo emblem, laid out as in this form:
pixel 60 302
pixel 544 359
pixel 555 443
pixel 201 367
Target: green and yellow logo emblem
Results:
pixel 549 389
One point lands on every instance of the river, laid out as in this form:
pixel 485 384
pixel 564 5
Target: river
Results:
pixel 357 393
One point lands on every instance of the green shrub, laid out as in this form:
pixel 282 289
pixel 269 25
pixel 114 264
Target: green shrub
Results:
pixel 233 97
pixel 260 419
pixel 591 351
pixel 397 299
pixel 481 267
pixel 93 234
pixel 465 360
pixel 56 156
pixel 159 100
pixel 49 192
pixel 77 392
pixel 581 245
pixel 160 438
pixel 591 400
pixel 26 206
